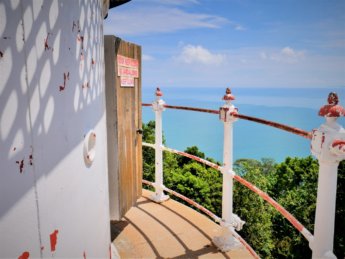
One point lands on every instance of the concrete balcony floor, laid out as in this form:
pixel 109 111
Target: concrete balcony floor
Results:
pixel 167 230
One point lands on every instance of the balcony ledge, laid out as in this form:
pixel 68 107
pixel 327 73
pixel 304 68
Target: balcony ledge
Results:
pixel 167 230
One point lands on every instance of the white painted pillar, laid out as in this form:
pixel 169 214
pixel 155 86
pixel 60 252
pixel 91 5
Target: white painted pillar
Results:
pixel 325 210
pixel 227 201
pixel 226 241
pixel 158 107
pixel 328 145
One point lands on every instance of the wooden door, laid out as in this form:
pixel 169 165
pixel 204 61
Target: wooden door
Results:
pixel 123 101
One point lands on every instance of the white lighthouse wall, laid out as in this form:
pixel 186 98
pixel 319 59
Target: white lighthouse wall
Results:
pixel 52 201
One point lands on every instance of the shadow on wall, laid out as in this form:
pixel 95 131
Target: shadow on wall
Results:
pixel 51 89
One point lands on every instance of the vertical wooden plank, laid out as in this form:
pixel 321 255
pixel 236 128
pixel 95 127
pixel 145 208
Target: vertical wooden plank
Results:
pixel 111 118
pixel 139 126
pixel 128 121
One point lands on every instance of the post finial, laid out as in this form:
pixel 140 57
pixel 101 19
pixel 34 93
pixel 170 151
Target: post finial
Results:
pixel 228 96
pixel 158 92
pixel 332 109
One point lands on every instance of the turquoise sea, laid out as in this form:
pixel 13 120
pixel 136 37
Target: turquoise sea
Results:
pixel 290 106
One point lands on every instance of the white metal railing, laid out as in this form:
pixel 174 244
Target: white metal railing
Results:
pixel 328 145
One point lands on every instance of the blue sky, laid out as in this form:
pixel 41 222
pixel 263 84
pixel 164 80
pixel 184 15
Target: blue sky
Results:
pixel 237 43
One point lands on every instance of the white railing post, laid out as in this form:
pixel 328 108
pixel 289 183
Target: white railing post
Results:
pixel 226 241
pixel 328 145
pixel 158 107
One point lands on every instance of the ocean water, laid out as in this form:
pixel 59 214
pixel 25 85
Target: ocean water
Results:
pixel 293 107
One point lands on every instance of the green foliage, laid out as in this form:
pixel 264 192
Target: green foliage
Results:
pixel 258 214
pixel 149 153
pixel 201 184
pixel 295 189
pixel 193 151
pixel 292 183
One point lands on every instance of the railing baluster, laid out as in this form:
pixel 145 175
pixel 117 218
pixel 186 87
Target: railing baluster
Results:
pixel 226 241
pixel 328 145
pixel 158 107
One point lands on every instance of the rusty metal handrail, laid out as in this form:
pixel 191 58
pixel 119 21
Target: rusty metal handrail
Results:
pixel 277 125
pixel 287 215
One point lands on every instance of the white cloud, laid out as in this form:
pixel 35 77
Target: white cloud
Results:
pixel 285 55
pixel 289 52
pixel 145 20
pixel 264 55
pixel 146 57
pixel 243 67
pixel 199 55
pixel 239 27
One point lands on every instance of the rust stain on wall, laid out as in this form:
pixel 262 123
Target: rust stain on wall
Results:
pixel 21 165
pixel 76 26
pixel 80 38
pixel 31 159
pixel 65 78
pixel 46 44
pixel 85 85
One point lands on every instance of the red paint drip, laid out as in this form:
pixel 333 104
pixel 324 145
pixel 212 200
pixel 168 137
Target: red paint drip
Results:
pixel 24 255
pixel 21 165
pixel 53 240
pixel 84 255
pixel 93 61
pixel 42 248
